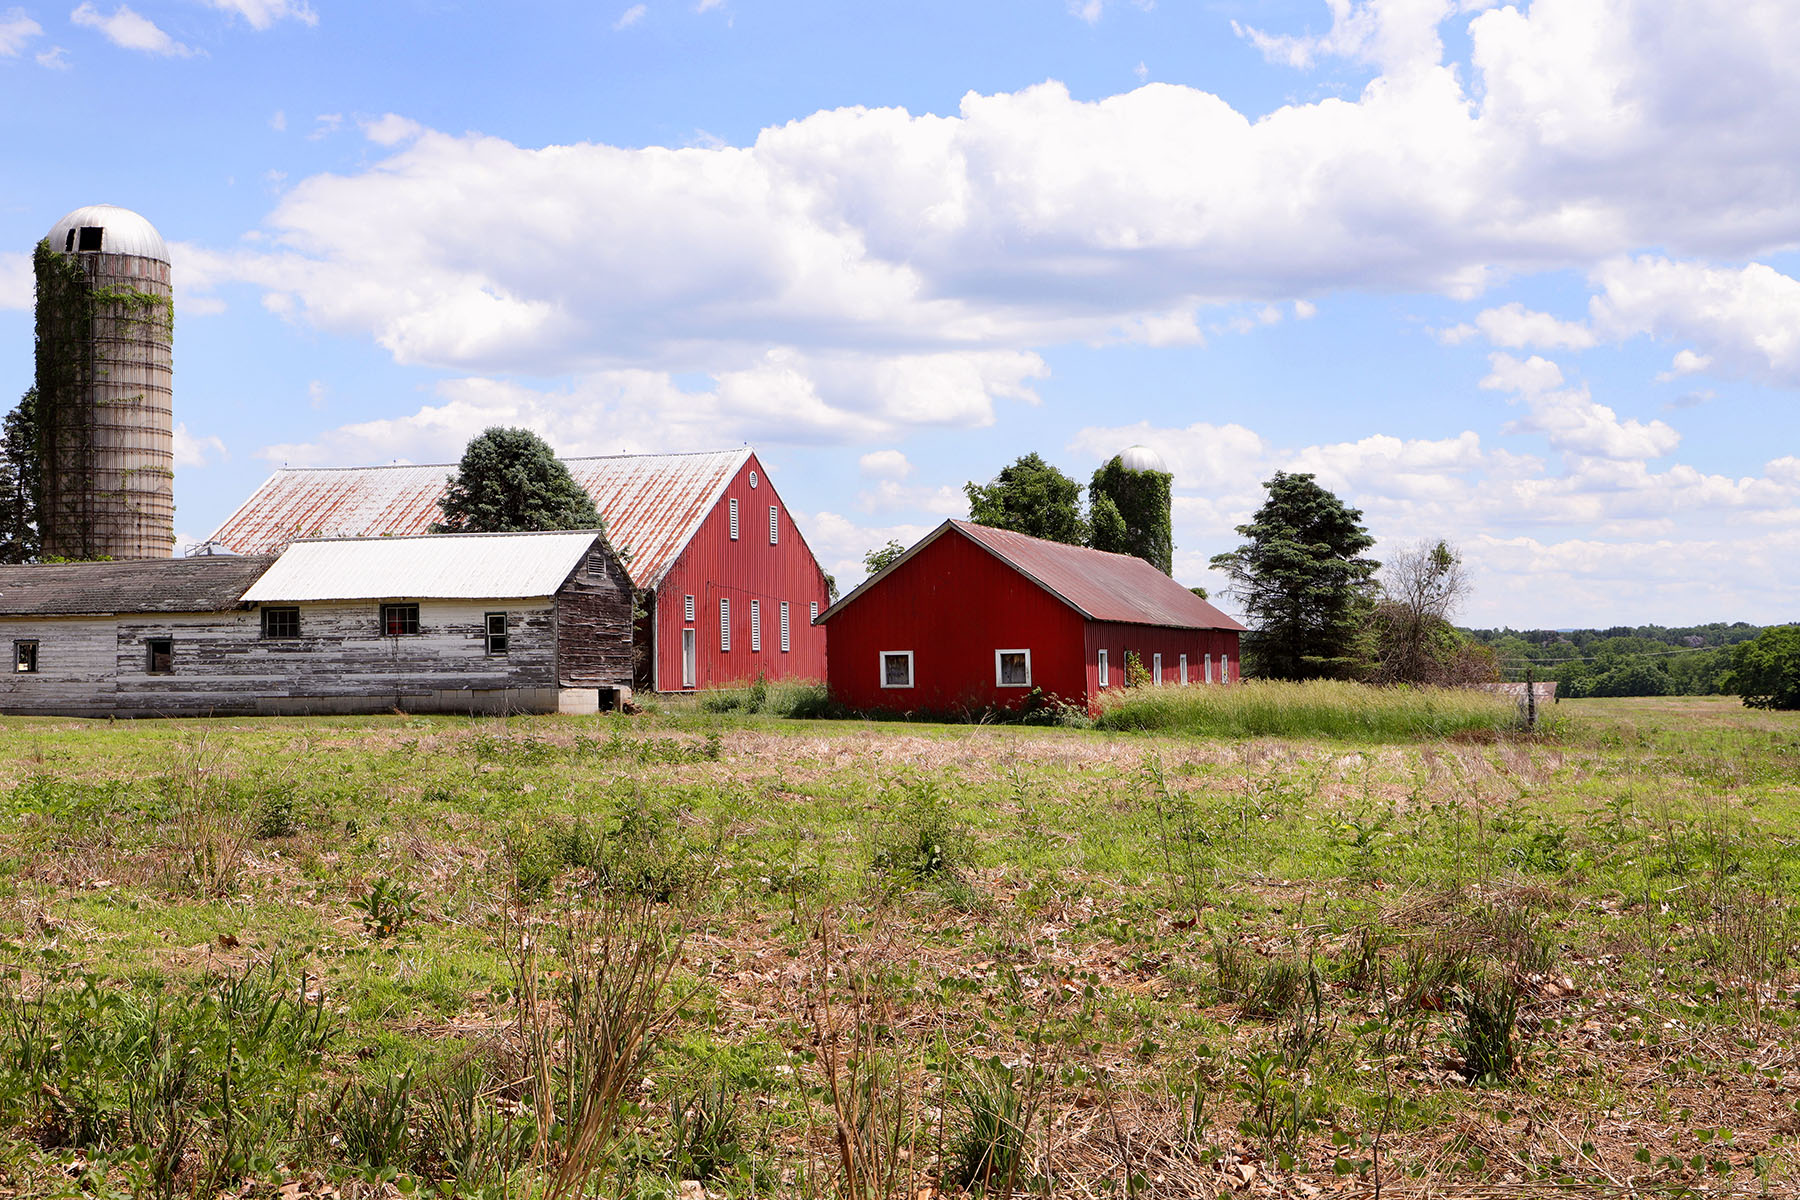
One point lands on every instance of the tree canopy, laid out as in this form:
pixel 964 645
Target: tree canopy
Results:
pixel 510 481
pixel 882 558
pixel 1031 497
pixel 1766 670
pixel 1413 641
pixel 1130 513
pixel 1302 580
pixel 20 482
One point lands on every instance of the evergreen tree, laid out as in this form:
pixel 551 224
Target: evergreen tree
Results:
pixel 1302 580
pixel 1031 497
pixel 510 481
pixel 20 481
pixel 1130 513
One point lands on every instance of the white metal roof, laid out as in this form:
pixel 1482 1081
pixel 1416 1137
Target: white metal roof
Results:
pixel 126 231
pixel 445 566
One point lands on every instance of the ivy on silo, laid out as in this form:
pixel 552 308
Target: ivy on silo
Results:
pixel 65 376
pixel 1129 512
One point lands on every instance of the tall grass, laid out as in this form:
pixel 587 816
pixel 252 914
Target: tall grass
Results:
pixel 797 699
pixel 1319 708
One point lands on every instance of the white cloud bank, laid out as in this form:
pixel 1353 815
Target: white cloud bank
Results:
pixel 129 30
pixel 16 31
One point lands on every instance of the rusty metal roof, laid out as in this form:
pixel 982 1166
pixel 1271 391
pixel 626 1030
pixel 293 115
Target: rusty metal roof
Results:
pixel 447 566
pixel 1098 585
pixel 151 585
pixel 652 503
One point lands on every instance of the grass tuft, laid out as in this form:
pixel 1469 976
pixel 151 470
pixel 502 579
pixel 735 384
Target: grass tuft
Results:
pixel 1320 708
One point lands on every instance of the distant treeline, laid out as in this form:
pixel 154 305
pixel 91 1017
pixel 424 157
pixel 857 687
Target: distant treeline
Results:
pixel 1643 660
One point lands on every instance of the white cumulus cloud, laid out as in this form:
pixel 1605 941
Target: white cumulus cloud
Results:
pixel 129 30
pixel 630 17
pixel 1746 318
pixel 16 29
pixel 261 14
pixel 1515 326
pixel 192 451
pixel 884 464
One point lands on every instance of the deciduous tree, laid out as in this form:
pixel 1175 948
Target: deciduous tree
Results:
pixel 510 481
pixel 1302 580
pixel 1030 497
pixel 1414 642
pixel 1765 671
pixel 882 558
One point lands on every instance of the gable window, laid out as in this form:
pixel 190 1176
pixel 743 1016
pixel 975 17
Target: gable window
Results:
pixel 1184 669
pixel 756 626
pixel 724 624
pixel 784 626
pixel 815 612
pixel 25 657
pixel 497 639
pixel 688 608
pixel 399 620
pixel 281 622
pixel 774 526
pixel 1100 663
pixel 159 655
pixel 753 479
pixel 896 668
pixel 1012 668
pixel 734 521
pixel 1156 668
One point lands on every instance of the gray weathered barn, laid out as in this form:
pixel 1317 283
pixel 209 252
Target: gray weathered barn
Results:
pixel 520 622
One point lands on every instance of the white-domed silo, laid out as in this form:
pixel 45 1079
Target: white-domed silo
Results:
pixel 105 326
pixel 1141 458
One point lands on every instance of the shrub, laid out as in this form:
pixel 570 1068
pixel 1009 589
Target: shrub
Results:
pixel 923 839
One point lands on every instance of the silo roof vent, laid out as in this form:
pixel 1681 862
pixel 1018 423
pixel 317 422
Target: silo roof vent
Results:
pixel 108 228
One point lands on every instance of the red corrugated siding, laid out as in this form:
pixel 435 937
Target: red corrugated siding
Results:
pixel 953 605
pixel 1149 640
pixel 713 567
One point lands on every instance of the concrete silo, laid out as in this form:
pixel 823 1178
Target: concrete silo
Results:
pixel 105 324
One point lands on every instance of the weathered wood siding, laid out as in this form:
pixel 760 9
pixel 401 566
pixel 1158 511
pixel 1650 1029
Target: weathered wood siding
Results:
pixel 593 625
pixel 75 665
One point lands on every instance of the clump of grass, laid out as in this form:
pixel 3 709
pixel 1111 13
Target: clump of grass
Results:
pixel 796 699
pixel 1490 1010
pixel 923 840
pixel 1318 708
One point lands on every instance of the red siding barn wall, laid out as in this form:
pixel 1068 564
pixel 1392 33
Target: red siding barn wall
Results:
pixel 953 605
pixel 1148 640
pixel 713 567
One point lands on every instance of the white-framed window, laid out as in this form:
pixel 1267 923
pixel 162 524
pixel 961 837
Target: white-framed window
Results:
pixel 774 525
pixel 756 626
pixel 1224 669
pixel 724 624
pixel 1156 668
pixel 1182 664
pixel 815 611
pixel 784 626
pixel 896 668
pixel 1100 662
pixel 689 667
pixel 1012 668
pixel 688 608
pixel 1209 678
pixel 753 480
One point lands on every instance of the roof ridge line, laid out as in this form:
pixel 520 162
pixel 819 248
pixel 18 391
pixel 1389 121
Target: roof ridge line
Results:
pixel 559 458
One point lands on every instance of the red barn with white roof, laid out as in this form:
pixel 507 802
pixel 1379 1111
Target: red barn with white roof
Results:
pixel 974 617
pixel 732 586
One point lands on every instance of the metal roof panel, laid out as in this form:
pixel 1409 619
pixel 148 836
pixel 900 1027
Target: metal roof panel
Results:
pixel 450 566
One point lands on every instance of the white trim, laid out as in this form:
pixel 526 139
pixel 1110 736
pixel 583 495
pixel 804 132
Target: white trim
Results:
pixel 688 609
pixel 1184 675
pixel 690 657
pixel 1209 677
pixel 881 668
pixel 1156 668
pixel 724 624
pixel 753 480
pixel 999 676
pixel 1100 665
pixel 734 519
pixel 1224 668
pixel 786 643
pixel 756 626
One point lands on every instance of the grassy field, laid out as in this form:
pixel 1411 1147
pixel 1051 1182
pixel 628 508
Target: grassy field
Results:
pixel 789 958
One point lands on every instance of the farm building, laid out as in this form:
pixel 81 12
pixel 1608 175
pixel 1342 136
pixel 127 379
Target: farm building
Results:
pixel 732 588
pixel 535 622
pixel 973 617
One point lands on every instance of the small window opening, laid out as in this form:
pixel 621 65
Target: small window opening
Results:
pixel 399 620
pixel 815 612
pixel 69 243
pixel 497 640
pixel 688 607
pixel 90 238
pixel 784 627
pixel 1156 668
pixel 161 652
pixel 724 624
pixel 1101 664
pixel 1012 668
pixel 756 626
pixel 281 622
pixel 774 526
pixel 896 668
pixel 734 519
pixel 1184 677
pixel 753 479
pixel 25 658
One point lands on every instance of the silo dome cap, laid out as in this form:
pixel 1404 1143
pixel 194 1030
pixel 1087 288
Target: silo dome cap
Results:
pixel 1141 458
pixel 121 232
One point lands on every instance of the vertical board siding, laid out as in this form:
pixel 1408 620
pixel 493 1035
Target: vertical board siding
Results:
pixel 953 605
pixel 593 624
pixel 714 567
pixel 1148 640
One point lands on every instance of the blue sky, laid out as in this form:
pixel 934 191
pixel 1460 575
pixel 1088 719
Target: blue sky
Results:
pixel 1519 276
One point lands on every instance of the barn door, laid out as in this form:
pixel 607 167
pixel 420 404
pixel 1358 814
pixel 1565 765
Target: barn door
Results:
pixel 687 658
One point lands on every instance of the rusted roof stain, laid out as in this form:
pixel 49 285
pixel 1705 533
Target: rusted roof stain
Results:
pixel 652 503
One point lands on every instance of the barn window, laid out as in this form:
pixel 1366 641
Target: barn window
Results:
pixel 497 640
pixel 399 620
pixel 1224 669
pixel 1100 662
pixel 25 657
pixel 774 526
pixel 1012 668
pixel 756 626
pixel 1183 666
pixel 815 612
pixel 753 479
pixel 724 624
pixel 1156 668
pixel 160 655
pixel 1209 678
pixel 734 521
pixel 688 607
pixel 784 626
pixel 688 665
pixel 281 622
pixel 896 668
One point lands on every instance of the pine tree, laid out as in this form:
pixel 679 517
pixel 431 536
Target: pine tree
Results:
pixel 510 481
pixel 20 480
pixel 1302 581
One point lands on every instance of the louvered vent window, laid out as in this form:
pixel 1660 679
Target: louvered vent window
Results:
pixel 774 525
pixel 815 610
pixel 689 608
pixel 734 525
pixel 784 626
pixel 756 626
pixel 724 624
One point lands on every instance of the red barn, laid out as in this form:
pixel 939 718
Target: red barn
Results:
pixel 977 617
pixel 731 588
